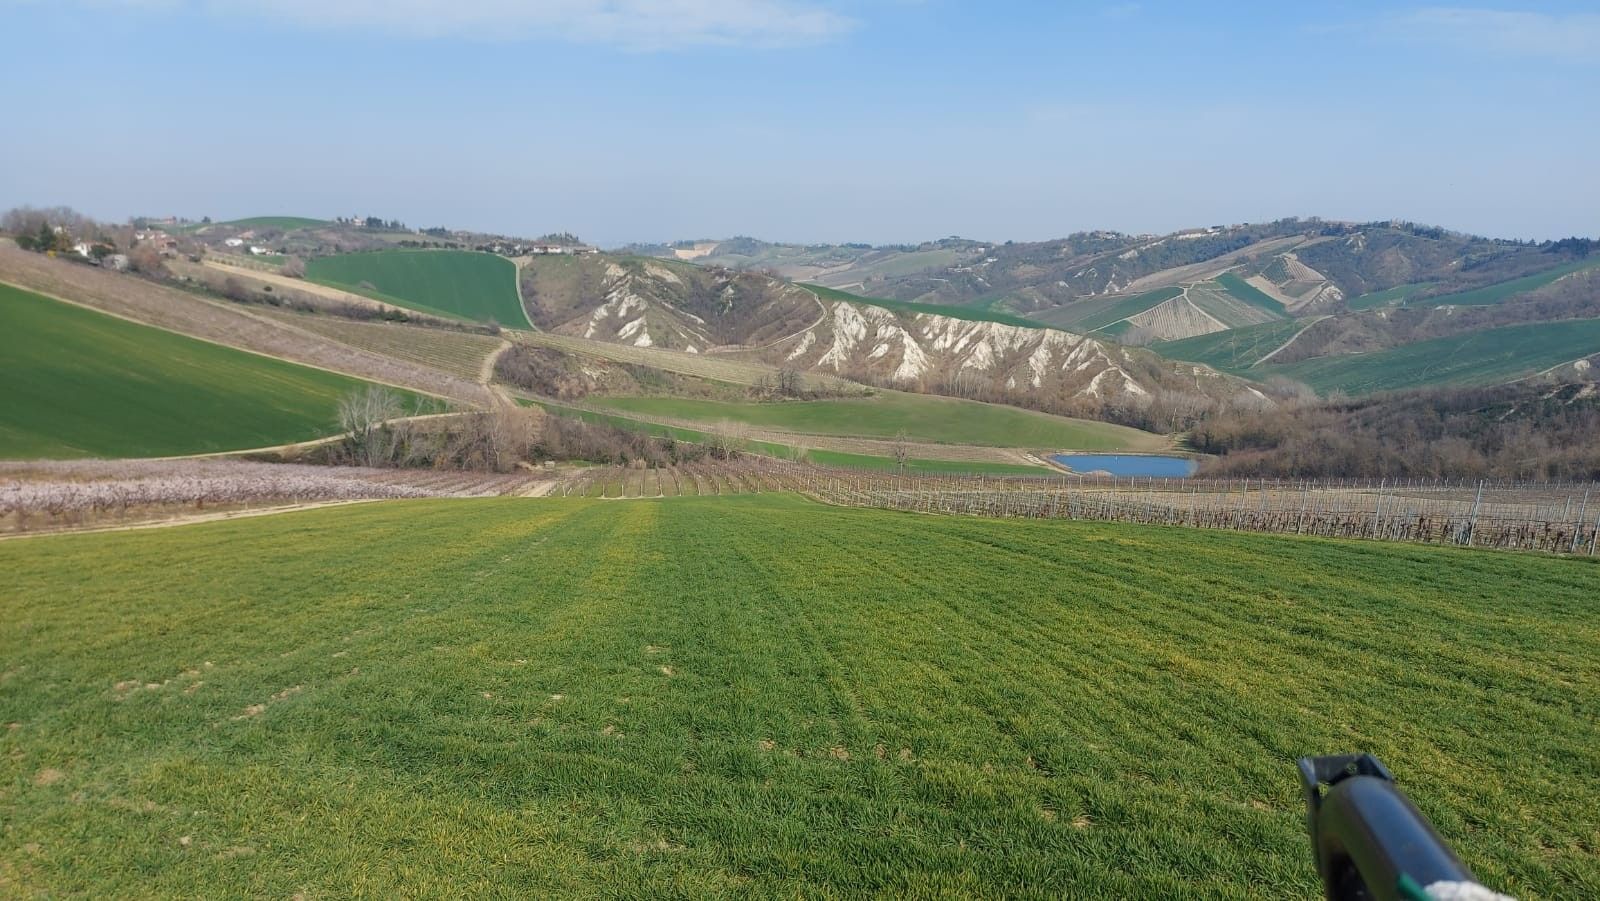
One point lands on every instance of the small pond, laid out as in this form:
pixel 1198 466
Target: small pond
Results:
pixel 1128 464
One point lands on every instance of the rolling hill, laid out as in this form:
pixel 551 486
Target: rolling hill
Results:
pixel 1233 350
pixel 282 223
pixel 83 384
pixel 764 696
pixel 711 310
pixel 1476 358
pixel 476 287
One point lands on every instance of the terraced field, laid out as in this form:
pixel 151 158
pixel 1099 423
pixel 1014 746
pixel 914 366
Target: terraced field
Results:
pixel 1476 358
pixel 80 383
pixel 476 287
pixel 458 353
pixel 920 417
pixel 760 696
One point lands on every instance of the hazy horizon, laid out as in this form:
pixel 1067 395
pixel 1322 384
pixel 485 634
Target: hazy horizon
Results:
pixel 892 121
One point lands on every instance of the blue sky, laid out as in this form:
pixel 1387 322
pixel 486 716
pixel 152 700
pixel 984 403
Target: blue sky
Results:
pixel 808 120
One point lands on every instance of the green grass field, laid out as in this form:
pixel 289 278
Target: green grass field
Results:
pixel 455 283
pixel 1504 291
pixel 286 223
pixel 921 417
pixel 1397 294
pixel 1233 350
pixel 763 697
pixel 1476 358
pixel 83 384
pixel 971 314
pixel 787 452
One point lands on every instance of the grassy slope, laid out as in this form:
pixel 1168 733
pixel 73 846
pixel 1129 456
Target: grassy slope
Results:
pixel 786 452
pixel 80 383
pixel 764 697
pixel 1233 350
pixel 971 314
pixel 1376 299
pixel 921 417
pixel 1503 291
pixel 455 283
pixel 1476 358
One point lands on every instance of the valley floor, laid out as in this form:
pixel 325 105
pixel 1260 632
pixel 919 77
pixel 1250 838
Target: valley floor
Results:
pixel 763 696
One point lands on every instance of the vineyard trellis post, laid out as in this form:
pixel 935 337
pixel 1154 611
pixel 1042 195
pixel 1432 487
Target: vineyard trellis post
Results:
pixel 1472 523
pixel 1577 525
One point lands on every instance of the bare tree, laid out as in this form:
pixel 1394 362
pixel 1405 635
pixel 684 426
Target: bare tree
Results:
pixel 789 382
pixel 293 267
pixel 364 415
pixel 902 451
pixel 146 258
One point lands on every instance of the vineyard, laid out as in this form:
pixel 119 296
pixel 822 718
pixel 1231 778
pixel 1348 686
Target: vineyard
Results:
pixel 57 495
pixel 1555 518
pixel 458 353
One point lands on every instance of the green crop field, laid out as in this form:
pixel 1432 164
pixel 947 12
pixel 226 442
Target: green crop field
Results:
pixel 921 417
pixel 972 314
pixel 1397 294
pixel 80 383
pixel 1248 293
pixel 1098 313
pixel 1504 291
pixel 456 283
pixel 1476 358
pixel 1232 350
pixel 286 223
pixel 764 697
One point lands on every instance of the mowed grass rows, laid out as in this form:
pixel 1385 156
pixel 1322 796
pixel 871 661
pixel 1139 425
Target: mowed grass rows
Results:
pixel 80 383
pixel 764 697
pixel 460 284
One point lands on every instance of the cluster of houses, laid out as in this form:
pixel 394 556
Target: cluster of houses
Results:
pixel 239 242
pixel 511 249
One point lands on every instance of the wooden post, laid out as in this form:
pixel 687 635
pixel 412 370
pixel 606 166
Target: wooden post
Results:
pixel 1472 523
pixel 1577 524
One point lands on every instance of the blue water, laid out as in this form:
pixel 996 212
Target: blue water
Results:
pixel 1128 464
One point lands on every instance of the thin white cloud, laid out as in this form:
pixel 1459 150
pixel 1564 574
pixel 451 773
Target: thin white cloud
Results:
pixel 633 24
pixel 1568 37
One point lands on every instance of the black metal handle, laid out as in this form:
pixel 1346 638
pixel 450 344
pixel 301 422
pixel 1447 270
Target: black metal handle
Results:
pixel 1367 838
